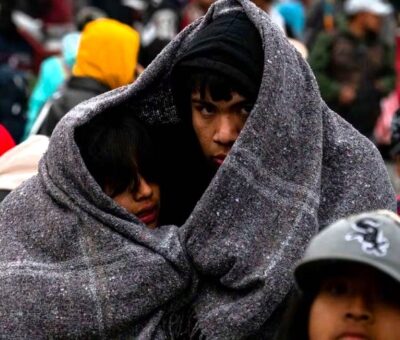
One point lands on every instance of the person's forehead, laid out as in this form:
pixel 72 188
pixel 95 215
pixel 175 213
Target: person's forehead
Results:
pixel 197 92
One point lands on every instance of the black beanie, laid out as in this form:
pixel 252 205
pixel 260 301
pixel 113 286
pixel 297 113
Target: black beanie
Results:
pixel 230 46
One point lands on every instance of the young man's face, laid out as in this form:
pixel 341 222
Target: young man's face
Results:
pixel 217 124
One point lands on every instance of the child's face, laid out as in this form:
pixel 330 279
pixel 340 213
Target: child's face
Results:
pixel 217 124
pixel 144 203
pixel 360 304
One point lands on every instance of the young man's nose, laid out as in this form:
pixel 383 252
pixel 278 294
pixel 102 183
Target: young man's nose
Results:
pixel 227 130
pixel 144 189
pixel 359 308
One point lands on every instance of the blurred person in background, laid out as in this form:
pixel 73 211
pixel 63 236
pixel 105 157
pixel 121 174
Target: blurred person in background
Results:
pixel 53 72
pixel 14 94
pixel 269 7
pixel 88 14
pixel 395 155
pixel 115 9
pixel 160 24
pixel 349 280
pixel 323 16
pixel 294 15
pixel 11 42
pixel 137 10
pixel 194 10
pixel 20 163
pixel 107 59
pixel 197 8
pixel 6 140
pixel 42 24
pixel 354 68
pixel 50 11
pixel 285 23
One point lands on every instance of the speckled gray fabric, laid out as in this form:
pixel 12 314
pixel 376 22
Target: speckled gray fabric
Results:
pixel 73 264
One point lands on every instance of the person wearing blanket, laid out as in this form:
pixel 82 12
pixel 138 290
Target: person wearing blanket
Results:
pixel 120 156
pixel 74 264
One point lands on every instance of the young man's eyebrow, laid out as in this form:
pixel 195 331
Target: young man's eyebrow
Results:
pixel 201 101
pixel 243 101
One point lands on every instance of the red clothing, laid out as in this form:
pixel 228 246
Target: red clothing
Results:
pixel 191 12
pixel 6 141
pixel 59 12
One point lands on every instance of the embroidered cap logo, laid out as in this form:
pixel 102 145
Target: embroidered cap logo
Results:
pixel 369 234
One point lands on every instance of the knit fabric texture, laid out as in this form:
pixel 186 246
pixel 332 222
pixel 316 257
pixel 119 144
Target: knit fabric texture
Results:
pixel 74 264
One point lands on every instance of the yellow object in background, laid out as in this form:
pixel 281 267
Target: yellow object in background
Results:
pixel 108 52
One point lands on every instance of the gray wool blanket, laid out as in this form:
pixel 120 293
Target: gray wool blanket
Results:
pixel 75 265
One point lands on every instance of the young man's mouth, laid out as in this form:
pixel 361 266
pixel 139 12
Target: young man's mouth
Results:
pixel 218 160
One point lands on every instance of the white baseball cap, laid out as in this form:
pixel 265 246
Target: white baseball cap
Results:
pixel 378 7
pixel 139 5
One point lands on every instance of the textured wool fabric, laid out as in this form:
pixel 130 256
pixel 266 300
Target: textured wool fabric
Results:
pixel 74 264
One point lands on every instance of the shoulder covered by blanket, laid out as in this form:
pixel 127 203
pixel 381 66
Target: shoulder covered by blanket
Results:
pixel 74 264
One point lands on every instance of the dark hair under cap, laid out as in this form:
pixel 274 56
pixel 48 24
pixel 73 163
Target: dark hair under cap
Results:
pixel 229 46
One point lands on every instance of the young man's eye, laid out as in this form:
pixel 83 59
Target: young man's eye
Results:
pixel 206 110
pixel 246 109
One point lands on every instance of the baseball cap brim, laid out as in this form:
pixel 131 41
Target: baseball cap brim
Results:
pixel 309 273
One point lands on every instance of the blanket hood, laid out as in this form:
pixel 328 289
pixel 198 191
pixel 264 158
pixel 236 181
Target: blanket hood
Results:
pixel 296 167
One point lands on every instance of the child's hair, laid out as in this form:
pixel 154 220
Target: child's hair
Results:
pixel 116 148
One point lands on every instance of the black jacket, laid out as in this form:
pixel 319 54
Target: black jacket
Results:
pixel 76 90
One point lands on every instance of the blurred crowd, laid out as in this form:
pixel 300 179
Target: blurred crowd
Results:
pixel 351 49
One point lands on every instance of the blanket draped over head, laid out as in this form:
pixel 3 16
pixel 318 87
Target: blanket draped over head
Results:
pixel 74 264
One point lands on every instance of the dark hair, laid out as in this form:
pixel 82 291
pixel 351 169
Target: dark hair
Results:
pixel 296 317
pixel 186 80
pixel 116 148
